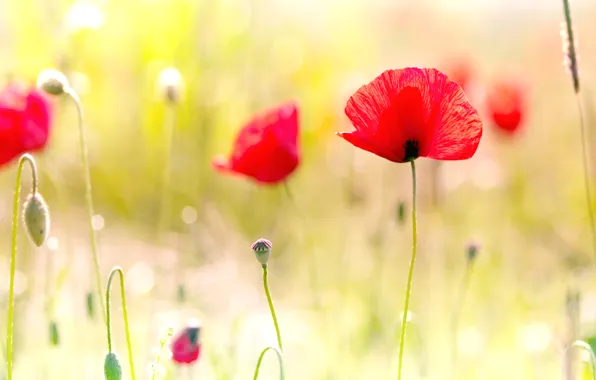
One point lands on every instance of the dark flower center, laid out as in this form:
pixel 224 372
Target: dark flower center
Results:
pixel 411 149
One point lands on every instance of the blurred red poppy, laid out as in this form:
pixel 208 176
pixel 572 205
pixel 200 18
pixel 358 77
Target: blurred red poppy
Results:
pixel 506 105
pixel 461 72
pixel 25 116
pixel 186 347
pixel 266 148
pixel 409 113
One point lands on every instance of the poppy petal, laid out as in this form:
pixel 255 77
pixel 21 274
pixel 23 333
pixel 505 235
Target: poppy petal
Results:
pixel 359 140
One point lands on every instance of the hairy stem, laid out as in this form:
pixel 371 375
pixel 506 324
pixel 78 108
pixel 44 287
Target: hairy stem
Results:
pixel 124 316
pixel 404 321
pixel 271 308
pixel 88 194
pixel 25 158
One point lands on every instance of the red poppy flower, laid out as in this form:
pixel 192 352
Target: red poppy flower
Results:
pixel 24 122
pixel 506 105
pixel 186 347
pixel 409 113
pixel 266 149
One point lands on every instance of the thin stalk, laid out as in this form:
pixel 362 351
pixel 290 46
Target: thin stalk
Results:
pixel 586 347
pixel 124 316
pixel 586 168
pixel 402 337
pixel 165 201
pixel 282 374
pixel 271 308
pixel 88 194
pixel 13 256
pixel 571 52
pixel 461 295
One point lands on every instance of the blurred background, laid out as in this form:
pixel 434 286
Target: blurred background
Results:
pixel 340 249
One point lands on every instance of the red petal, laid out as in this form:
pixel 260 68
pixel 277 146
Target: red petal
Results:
pixel 266 149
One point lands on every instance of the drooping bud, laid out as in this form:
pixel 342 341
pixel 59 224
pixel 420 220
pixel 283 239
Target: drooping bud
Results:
pixel 472 252
pixel 52 81
pixel 112 368
pixel 401 212
pixel 90 305
pixel 54 335
pixel 170 85
pixel 262 249
pixel 36 217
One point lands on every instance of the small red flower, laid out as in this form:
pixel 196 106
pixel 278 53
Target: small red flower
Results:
pixel 506 105
pixel 409 113
pixel 266 148
pixel 24 122
pixel 186 347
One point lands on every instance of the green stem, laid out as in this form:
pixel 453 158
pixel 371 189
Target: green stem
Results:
pixel 402 335
pixel 169 127
pixel 124 316
pixel 586 347
pixel 13 256
pixel 280 359
pixel 457 312
pixel 88 194
pixel 271 308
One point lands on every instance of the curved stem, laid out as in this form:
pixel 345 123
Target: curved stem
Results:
pixel 88 193
pixel 402 335
pixel 124 316
pixel 586 347
pixel 585 160
pixel 169 127
pixel 280 359
pixel 271 308
pixel 13 255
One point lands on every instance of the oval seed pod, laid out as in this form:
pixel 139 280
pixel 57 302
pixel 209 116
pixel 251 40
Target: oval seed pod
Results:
pixel 90 307
pixel 112 368
pixel 36 217
pixel 52 81
pixel 262 249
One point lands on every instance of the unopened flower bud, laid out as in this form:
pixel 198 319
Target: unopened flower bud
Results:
pixel 181 293
pixel 472 252
pixel 90 305
pixel 170 85
pixel 262 248
pixel 52 81
pixel 54 335
pixel 112 368
pixel 37 218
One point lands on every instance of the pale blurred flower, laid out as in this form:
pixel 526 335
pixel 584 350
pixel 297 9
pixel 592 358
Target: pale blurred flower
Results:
pixel 84 15
pixel 470 342
pixel 535 337
pixel 97 222
pixel 189 215
pixel 140 279
pixel 170 85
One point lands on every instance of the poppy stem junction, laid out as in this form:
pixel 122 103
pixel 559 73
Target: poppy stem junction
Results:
pixel 13 256
pixel 271 308
pixel 88 192
pixel 587 348
pixel 124 316
pixel 404 321
pixel 282 374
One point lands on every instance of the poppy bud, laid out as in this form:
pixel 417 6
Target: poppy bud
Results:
pixel 262 248
pixel 90 307
pixel 186 346
pixel 37 218
pixel 181 293
pixel 52 81
pixel 401 212
pixel 112 368
pixel 54 335
pixel 170 85
pixel 472 252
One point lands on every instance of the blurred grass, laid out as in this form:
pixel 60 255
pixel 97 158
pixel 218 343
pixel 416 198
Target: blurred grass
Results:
pixel 339 258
